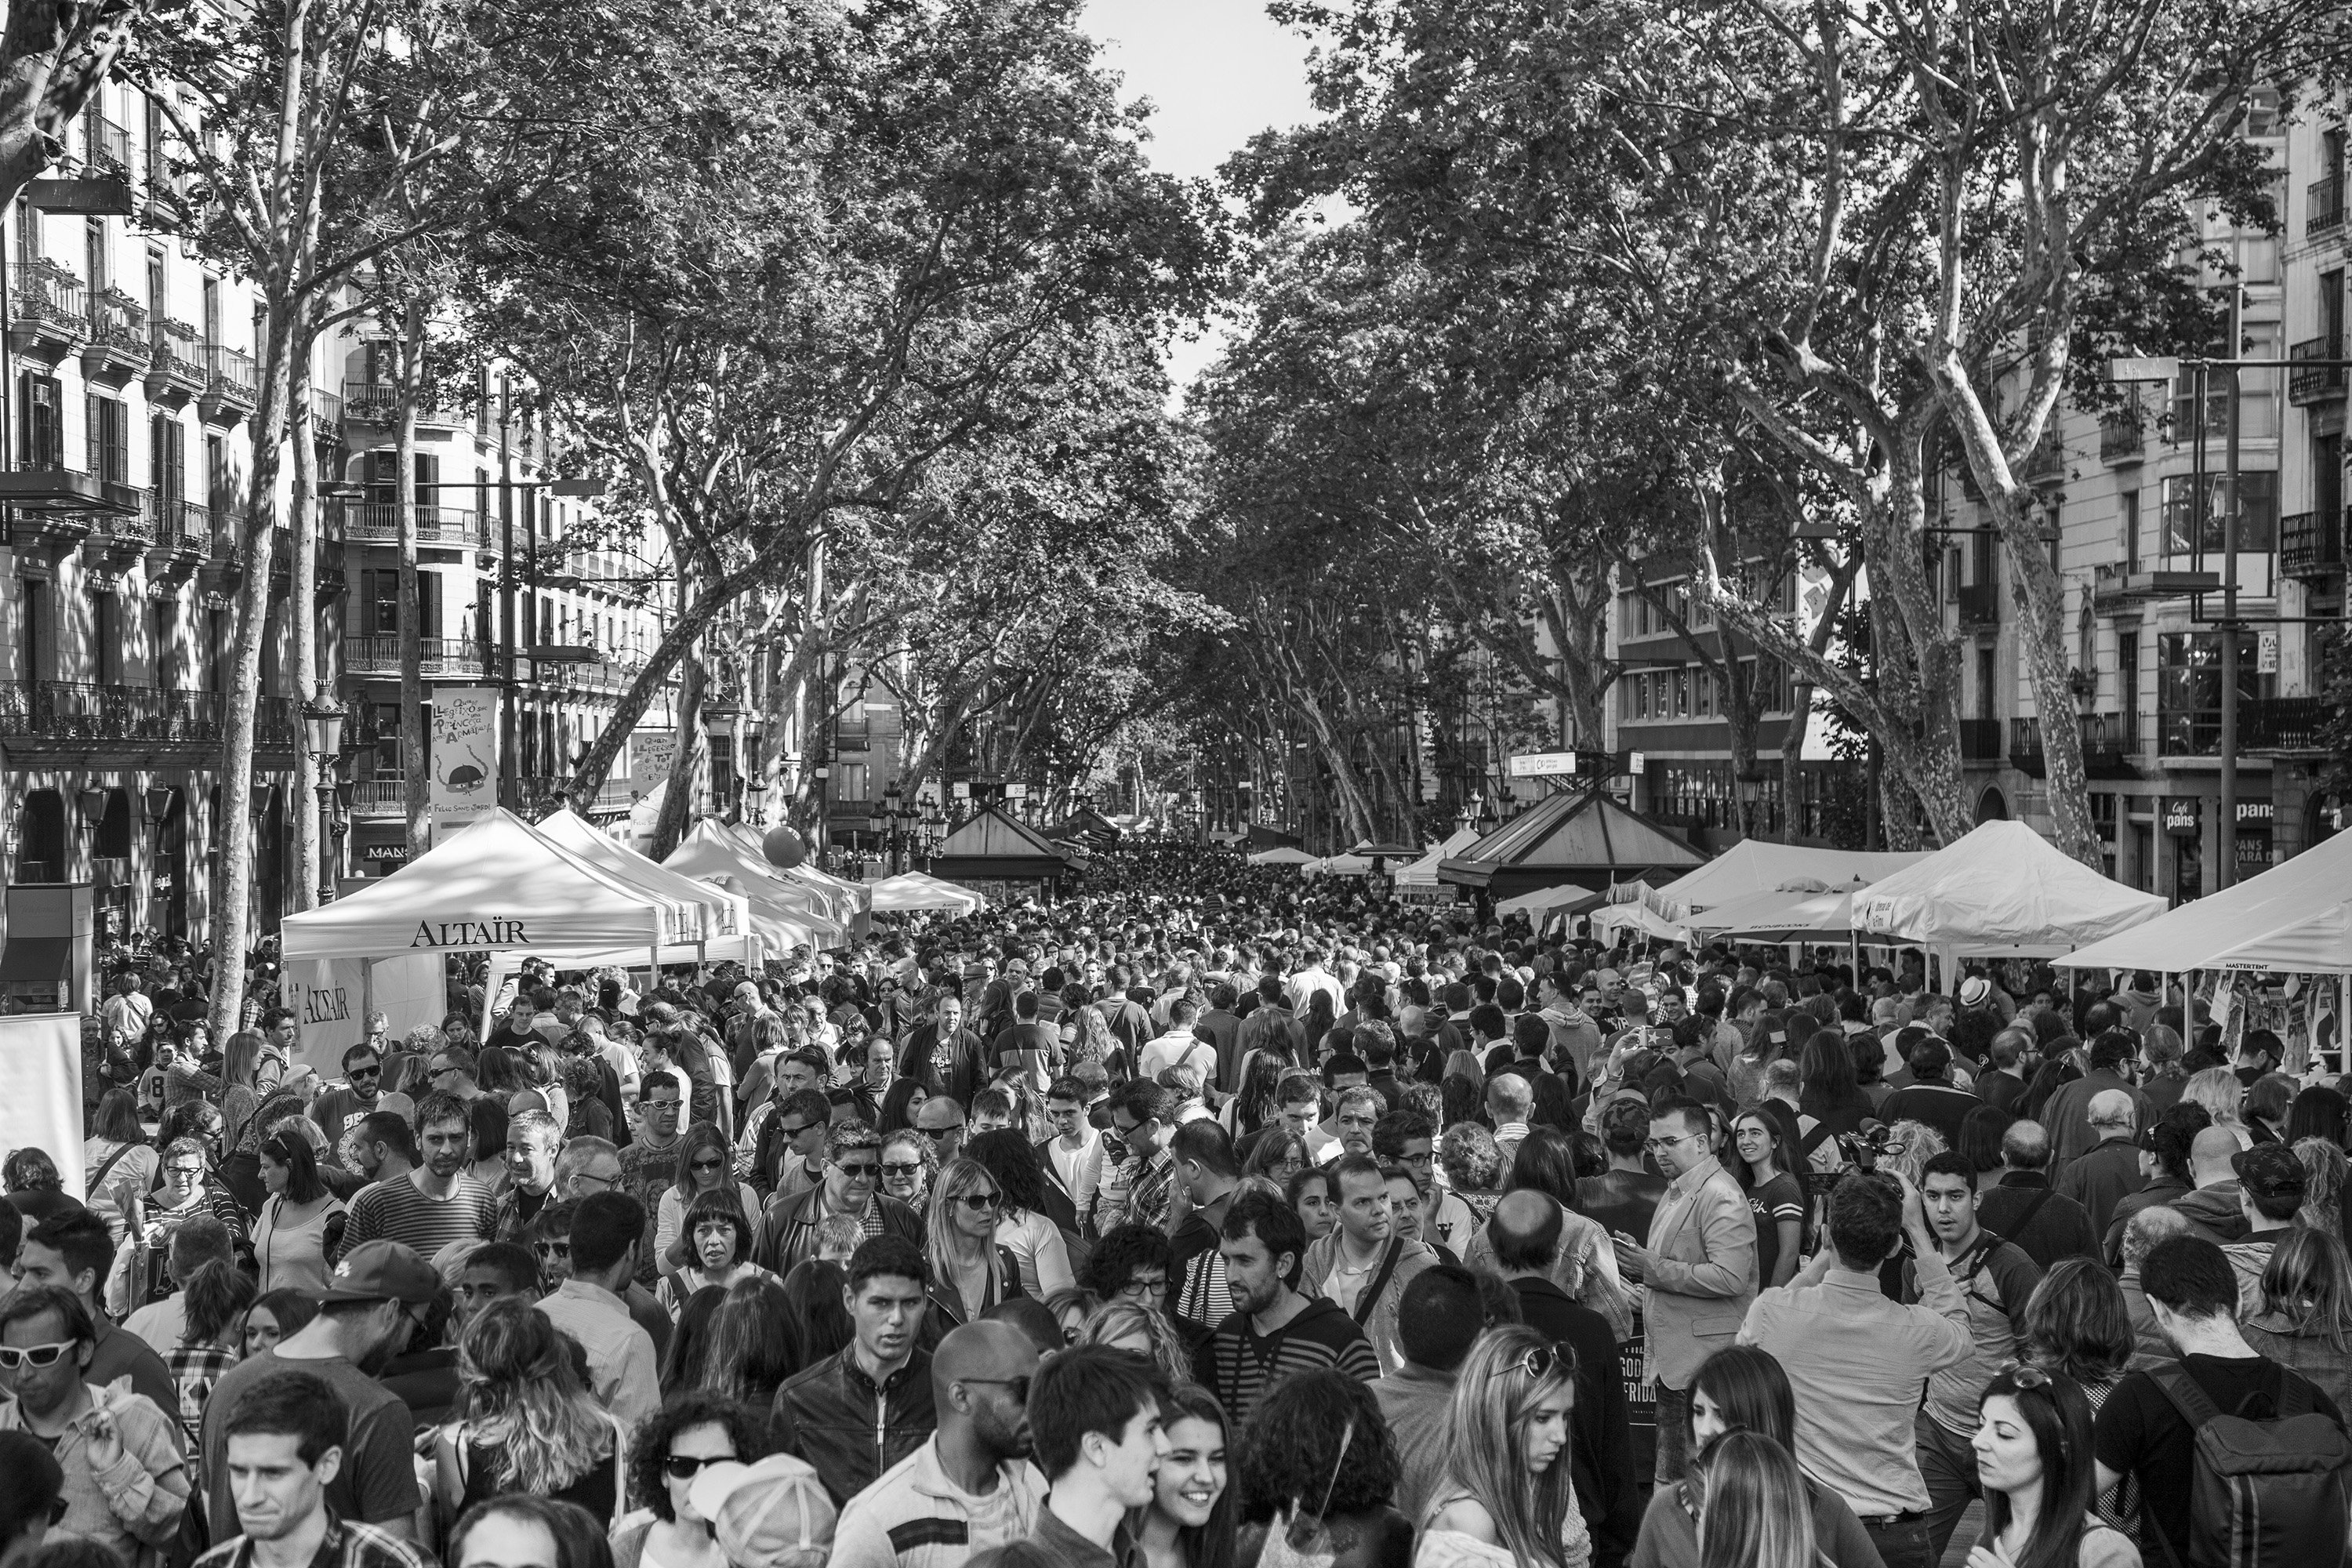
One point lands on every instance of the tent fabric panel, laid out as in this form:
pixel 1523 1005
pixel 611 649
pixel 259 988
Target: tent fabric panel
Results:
pixel 2197 933
pixel 2002 886
pixel 1757 865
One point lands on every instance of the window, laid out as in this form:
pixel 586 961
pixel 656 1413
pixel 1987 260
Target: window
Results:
pixel 1988 684
pixel 2127 687
pixel 167 460
pixel 39 630
pixel 95 263
pixel 2257 522
pixel 1682 693
pixel 722 767
pixel 2258 390
pixel 109 429
pixel 2127 508
pixel 42 439
pixel 156 300
pixel 106 627
pixel 163 637
pixel 2189 691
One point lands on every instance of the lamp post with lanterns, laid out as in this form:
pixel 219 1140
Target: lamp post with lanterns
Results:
pixel 323 722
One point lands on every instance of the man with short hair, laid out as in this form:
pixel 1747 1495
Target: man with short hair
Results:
pixel 1095 1428
pixel 945 1055
pixel 71 1251
pixel 1362 1266
pixel 1273 1330
pixel 852 1186
pixel 1409 1139
pixel 2165 1151
pixel 2215 1207
pixel 437 1203
pixel 1855 1359
pixel 287 1442
pixel 858 1412
pixel 1931 1098
pixel 380 1147
pixel 450 1071
pixel 1207 1175
pixel 1626 1195
pixel 2110 1171
pixel 493 1271
pixel 2025 1209
pixel 1440 1316
pixel 2142 1234
pixel 342 1108
pixel 968 1486
pixel 1996 1278
pixel 125 1484
pixel 376 1297
pixel 1699 1266
pixel 534 1139
pixel 943 1125
pixel 792 1144
pixel 1073 1156
pixel 1509 1099
pixel 1140 1186
pixel 1358 1111
pixel 1179 1045
pixel 1526 1234
pixel 2140 1431
pixel 608 1229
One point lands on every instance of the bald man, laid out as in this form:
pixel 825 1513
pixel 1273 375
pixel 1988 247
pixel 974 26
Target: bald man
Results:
pixel 2109 1171
pixel 970 1486
pixel 2213 1210
pixel 1525 1234
pixel 2023 1207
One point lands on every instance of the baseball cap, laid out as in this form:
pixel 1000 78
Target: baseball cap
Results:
pixel 381 1271
pixel 1975 990
pixel 771 1514
pixel 2269 1171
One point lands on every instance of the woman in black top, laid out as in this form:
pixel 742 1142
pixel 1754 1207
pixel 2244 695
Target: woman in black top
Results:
pixel 531 1425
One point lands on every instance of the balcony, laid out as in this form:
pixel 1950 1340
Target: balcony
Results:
pixel 1979 605
pixel 176 363
pixel 377 401
pixel 446 527
pixel 853 814
pixel 2317 382
pixel 439 659
pixel 853 735
pixel 2025 748
pixel 326 413
pixel 1980 740
pixel 2110 741
pixel 2121 439
pixel 74 715
pixel 2284 724
pixel 230 383
pixel 380 796
pixel 108 146
pixel 2046 464
pixel 2311 544
pixel 2323 204
pixel 48 308
pixel 118 348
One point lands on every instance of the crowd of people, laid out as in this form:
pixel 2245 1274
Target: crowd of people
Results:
pixel 1211 1218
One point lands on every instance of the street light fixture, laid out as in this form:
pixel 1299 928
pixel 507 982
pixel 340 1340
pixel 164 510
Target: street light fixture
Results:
pixel 325 721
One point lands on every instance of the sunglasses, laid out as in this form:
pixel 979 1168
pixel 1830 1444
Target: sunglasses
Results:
pixel 358 1073
pixel 706 1165
pixel 977 1202
pixel 1538 1362
pixel 935 1134
pixel 911 1169
pixel 2025 1374
pixel 15 1356
pixel 860 1171
pixel 555 1249
pixel 685 1466
pixel 1019 1385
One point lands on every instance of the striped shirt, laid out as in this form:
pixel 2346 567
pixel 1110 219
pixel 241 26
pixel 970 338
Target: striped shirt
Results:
pixel 349 1544
pixel 914 1516
pixel 1242 1365
pixel 397 1211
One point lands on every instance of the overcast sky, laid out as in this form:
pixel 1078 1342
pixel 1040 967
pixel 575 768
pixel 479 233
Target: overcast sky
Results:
pixel 1217 72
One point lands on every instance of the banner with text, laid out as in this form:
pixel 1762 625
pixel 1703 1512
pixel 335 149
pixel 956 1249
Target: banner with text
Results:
pixel 464 757
pixel 332 997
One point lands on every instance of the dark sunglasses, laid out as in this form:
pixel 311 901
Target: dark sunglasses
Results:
pixel 555 1249
pixel 358 1073
pixel 906 1170
pixel 935 1134
pixel 976 1202
pixel 685 1468
pixel 706 1165
pixel 1019 1385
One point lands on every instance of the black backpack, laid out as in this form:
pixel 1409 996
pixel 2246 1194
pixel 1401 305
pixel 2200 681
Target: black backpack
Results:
pixel 2262 1494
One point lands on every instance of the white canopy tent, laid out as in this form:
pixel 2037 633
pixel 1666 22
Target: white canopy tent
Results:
pixel 2001 889
pixel 1422 873
pixel 1753 865
pixel 785 913
pixel 913 890
pixel 577 834
pixel 1282 855
pixel 2292 917
pixel 1348 865
pixel 843 900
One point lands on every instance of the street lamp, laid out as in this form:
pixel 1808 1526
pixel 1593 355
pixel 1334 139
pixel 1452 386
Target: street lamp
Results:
pixel 325 721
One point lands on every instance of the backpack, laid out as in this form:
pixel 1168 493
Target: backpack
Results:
pixel 2262 1492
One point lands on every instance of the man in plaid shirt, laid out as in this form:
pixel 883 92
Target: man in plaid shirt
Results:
pixel 284 1444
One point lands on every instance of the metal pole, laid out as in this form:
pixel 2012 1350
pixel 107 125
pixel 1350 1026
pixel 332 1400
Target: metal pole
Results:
pixel 2199 383
pixel 2229 809
pixel 507 787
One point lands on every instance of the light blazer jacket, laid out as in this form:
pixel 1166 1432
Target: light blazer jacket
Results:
pixel 1702 1276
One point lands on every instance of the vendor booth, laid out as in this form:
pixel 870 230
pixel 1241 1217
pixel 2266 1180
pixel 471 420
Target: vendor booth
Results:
pixel 844 902
pixel 786 913
pixel 2000 890
pixel 1004 858
pixel 1587 840
pixel 1282 855
pixel 1752 867
pixel 911 891
pixel 1416 882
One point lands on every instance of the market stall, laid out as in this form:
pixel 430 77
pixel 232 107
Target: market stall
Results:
pixel 1587 840
pixel 1282 855
pixel 911 891
pixel 1004 858
pixel 785 913
pixel 2000 890
pixel 1752 867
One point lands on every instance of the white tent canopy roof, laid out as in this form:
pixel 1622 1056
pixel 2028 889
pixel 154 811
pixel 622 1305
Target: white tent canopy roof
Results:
pixel 1422 873
pixel 913 890
pixel 1753 865
pixel 2001 888
pixel 1282 855
pixel 499 884
pixel 575 833
pixel 785 913
pixel 2292 917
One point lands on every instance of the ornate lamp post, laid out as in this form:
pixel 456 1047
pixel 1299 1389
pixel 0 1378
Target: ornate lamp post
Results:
pixel 323 721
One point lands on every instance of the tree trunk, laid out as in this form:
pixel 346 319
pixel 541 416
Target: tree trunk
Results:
pixel 684 764
pixel 303 609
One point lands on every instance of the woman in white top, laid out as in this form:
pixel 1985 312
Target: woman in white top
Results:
pixel 117 1150
pixel 706 1165
pixel 1506 1498
pixel 721 1236
pixel 1023 1228
pixel 299 1221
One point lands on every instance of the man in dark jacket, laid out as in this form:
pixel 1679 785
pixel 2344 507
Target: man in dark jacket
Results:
pixel 2068 1114
pixel 2110 1171
pixel 853 1171
pixel 2164 1154
pixel 2045 1226
pixel 1525 1232
pixel 854 1415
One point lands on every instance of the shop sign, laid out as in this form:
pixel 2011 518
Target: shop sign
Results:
pixel 2255 814
pixel 2266 653
pixel 1543 764
pixel 2180 816
pixel 1636 762
pixel 384 854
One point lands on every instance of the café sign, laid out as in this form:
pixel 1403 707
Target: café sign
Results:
pixel 2180 816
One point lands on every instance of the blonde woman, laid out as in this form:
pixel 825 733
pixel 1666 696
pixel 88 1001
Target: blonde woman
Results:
pixel 2220 1093
pixel 1752 1507
pixel 970 1272
pixel 530 1426
pixel 1139 1327
pixel 1506 1499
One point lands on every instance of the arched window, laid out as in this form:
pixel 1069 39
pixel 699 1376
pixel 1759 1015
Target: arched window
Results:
pixel 1992 806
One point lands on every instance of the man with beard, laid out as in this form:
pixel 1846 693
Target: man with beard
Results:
pixel 968 1486
pixel 340 1110
pixel 437 1203
pixel 1273 1330
pixel 381 1148
pixel 944 1053
pixel 374 1301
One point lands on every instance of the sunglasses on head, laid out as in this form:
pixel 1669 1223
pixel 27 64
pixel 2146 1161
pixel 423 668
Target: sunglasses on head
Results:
pixel 1538 1362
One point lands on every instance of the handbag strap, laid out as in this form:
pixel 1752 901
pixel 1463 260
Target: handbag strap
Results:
pixel 1372 1292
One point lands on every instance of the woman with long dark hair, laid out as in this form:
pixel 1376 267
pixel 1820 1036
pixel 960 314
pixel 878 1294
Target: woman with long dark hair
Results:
pixel 2040 1476
pixel 1256 1103
pixel 274 1315
pixel 755 1343
pixel 1766 1164
pixel 1506 1498
pixel 2304 1319
pixel 299 1226
pixel 690 1341
pixel 1744 1389
pixel 1022 1227
pixel 117 1151
pixel 1829 1092
pixel 1314 1022
pixel 706 1165
pixel 1190 1522
pixel 903 1099
pixel 216 1298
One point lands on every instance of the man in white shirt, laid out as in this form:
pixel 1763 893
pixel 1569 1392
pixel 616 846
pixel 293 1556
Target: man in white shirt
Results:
pixel 128 1009
pixel 605 1231
pixel 1311 977
pixel 1074 1155
pixel 1178 1045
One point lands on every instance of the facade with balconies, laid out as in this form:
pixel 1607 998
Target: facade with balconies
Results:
pixel 2141 544
pixel 129 366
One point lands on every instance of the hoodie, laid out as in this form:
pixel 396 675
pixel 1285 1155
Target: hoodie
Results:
pixel 2214 1212
pixel 1573 1030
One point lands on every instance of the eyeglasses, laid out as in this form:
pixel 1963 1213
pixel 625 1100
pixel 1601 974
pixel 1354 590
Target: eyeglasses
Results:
pixel 185 1173
pixel 912 1168
pixel 555 1249
pixel 668 1107
pixel 976 1202
pixel 1019 1385
pixel 685 1467
pixel 15 1356
pixel 1142 1285
pixel 1654 1144
pixel 603 1184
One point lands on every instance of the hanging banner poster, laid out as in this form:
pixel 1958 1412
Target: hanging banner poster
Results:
pixel 464 760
